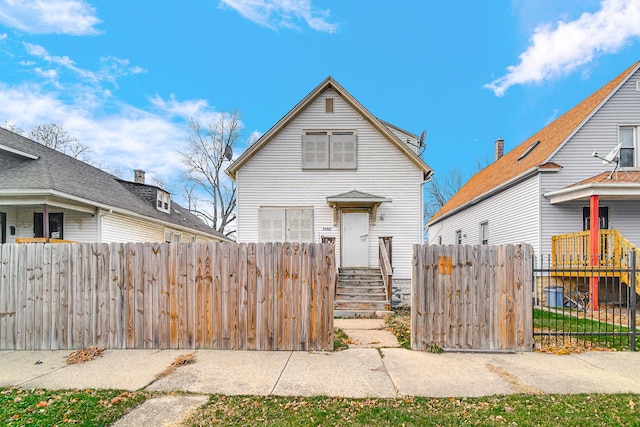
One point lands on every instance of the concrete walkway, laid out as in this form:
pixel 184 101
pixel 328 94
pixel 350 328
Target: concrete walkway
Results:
pixel 356 372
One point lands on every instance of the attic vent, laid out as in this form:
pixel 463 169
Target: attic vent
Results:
pixel 328 105
pixel 528 150
pixel 638 86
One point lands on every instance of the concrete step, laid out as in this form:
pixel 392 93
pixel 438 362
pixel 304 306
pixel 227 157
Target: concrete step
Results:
pixel 363 290
pixel 360 281
pixel 357 270
pixel 361 297
pixel 359 305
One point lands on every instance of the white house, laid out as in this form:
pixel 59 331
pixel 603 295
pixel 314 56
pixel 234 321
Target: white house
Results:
pixel 331 171
pixel 556 181
pixel 45 194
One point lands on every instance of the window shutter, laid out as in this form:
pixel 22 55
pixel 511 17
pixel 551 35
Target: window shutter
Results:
pixel 315 151
pixel 300 225
pixel 271 225
pixel 343 151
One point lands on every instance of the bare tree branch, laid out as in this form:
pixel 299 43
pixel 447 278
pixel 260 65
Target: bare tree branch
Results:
pixel 54 135
pixel 440 189
pixel 205 160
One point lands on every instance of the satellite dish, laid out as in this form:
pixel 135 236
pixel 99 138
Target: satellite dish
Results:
pixel 612 156
pixel 423 135
pixel 228 152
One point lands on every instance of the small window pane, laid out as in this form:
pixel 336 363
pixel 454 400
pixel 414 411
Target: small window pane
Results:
pixel 484 233
pixel 343 151
pixel 315 151
pixel 627 152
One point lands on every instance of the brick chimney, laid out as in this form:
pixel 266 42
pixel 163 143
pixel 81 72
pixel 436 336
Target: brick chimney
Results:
pixel 499 148
pixel 138 176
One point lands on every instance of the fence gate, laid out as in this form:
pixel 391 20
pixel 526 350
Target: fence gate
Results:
pixel 577 305
pixel 467 297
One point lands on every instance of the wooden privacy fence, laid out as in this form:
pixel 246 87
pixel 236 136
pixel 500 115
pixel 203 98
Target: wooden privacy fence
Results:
pixel 472 297
pixel 178 295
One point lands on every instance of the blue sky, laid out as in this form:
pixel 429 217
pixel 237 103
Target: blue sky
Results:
pixel 125 77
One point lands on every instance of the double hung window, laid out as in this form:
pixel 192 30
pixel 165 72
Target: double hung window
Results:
pixel 335 149
pixel 628 137
pixel 286 224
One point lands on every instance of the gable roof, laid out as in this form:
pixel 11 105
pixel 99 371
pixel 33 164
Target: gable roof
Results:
pixel 518 164
pixel 30 168
pixel 328 83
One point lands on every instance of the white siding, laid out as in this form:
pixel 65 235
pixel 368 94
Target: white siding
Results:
pixel 122 229
pixel 599 134
pixel 409 140
pixel 513 216
pixel 12 220
pixel 274 177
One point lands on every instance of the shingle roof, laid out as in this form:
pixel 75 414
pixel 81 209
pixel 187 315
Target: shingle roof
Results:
pixel 56 172
pixel 511 166
pixel 617 177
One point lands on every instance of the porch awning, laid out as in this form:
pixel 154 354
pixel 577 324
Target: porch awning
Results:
pixel 355 199
pixel 619 185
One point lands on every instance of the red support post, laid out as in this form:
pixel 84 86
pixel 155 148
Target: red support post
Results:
pixel 594 249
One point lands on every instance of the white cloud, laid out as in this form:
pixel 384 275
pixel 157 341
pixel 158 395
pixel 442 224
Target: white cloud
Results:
pixel 192 108
pixel 126 137
pixel 74 17
pixel 112 67
pixel 561 49
pixel 283 13
pixel 3 36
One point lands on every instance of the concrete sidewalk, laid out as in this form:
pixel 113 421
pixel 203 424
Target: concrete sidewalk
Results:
pixel 356 372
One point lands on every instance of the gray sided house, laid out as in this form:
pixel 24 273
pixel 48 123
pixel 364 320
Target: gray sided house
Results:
pixel 554 190
pixel 331 171
pixel 46 195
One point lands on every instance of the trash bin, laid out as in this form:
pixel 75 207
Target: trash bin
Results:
pixel 555 296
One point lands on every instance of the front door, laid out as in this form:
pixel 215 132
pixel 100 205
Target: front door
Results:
pixel 355 239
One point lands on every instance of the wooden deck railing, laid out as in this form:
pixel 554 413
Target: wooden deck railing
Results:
pixel 385 268
pixel 572 251
pixel 41 240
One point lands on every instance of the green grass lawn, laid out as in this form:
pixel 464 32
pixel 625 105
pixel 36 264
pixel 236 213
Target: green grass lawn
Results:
pixel 574 321
pixel 65 407
pixel 103 407
pixel 514 410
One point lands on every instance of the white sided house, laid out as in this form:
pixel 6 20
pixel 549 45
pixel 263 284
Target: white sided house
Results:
pixel 331 171
pixel 47 196
pixel 554 190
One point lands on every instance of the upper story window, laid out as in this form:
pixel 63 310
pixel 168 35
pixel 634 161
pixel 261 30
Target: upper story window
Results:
pixel 628 136
pixel 484 233
pixel 335 149
pixel 163 201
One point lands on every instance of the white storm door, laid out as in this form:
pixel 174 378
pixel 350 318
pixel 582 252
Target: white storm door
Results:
pixel 355 239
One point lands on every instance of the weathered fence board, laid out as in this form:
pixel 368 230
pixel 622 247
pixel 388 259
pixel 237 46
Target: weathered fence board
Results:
pixel 472 297
pixel 180 295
